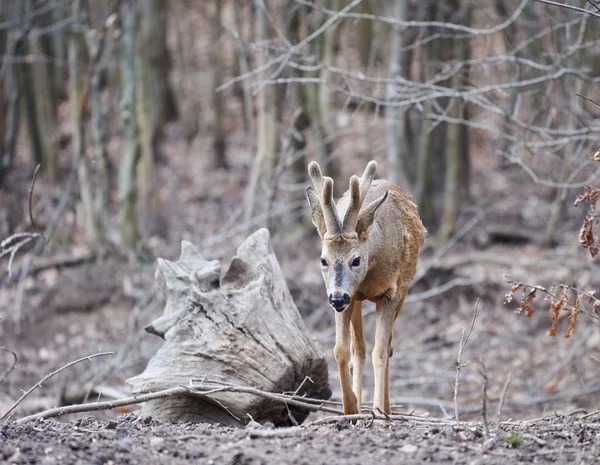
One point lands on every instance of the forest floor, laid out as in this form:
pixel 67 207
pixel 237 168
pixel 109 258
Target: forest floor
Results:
pixel 129 440
pixel 65 311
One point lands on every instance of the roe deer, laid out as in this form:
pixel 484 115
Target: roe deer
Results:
pixel 371 242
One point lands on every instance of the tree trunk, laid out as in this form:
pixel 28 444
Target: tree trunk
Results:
pixel 46 106
pixel 425 191
pixel 242 68
pixel 128 223
pixel 151 99
pixel 268 110
pixel 395 117
pixel 100 46
pixel 317 94
pixel 218 102
pixel 9 98
pixel 240 328
pixel 455 145
pixel 92 233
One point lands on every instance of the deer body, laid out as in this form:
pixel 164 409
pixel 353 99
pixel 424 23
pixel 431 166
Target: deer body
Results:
pixel 370 255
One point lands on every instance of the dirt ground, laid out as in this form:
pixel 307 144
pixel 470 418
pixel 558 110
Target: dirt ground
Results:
pixel 128 440
pixel 66 312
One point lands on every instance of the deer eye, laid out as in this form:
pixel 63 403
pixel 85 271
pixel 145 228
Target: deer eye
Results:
pixel 323 262
pixel 355 262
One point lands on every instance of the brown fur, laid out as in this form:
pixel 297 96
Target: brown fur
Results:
pixel 383 228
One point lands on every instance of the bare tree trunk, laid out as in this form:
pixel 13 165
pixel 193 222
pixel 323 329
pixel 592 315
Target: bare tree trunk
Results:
pixel 218 102
pixel 425 191
pixel 46 106
pixel 365 34
pixel 243 67
pixel 267 108
pixel 92 233
pixel 324 95
pixel 152 101
pixel 100 49
pixel 28 102
pixel 395 118
pixel 58 46
pixel 128 222
pixel 39 102
pixel 12 42
pixel 455 147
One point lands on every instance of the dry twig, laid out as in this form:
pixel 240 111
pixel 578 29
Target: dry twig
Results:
pixel 503 396
pixel 465 336
pixel 484 379
pixel 12 366
pixel 50 375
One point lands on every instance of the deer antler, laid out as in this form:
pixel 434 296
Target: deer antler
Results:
pixel 358 193
pixel 324 187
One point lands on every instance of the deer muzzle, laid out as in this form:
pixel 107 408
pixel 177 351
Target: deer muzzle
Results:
pixel 339 301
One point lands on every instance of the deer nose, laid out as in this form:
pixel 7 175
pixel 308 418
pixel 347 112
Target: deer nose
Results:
pixel 339 301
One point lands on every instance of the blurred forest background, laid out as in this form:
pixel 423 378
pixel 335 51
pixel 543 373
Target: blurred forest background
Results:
pixel 158 121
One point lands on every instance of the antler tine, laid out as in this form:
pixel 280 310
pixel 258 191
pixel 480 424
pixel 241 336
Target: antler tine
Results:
pixel 351 216
pixel 358 193
pixel 314 171
pixel 332 221
pixel 367 179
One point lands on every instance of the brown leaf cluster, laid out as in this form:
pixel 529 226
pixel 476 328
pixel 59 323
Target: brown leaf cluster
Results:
pixel 587 238
pixel 560 301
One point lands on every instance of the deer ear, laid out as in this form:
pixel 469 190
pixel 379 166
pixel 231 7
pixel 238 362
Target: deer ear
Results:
pixel 316 210
pixel 367 215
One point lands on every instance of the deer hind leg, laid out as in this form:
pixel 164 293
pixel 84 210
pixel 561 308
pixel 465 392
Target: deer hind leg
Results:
pixel 390 350
pixel 342 357
pixel 358 351
pixel 386 401
pixel 381 355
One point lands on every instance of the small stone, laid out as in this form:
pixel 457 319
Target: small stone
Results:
pixel 157 442
pixel 408 448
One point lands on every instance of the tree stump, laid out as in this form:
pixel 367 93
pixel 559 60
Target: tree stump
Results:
pixel 241 328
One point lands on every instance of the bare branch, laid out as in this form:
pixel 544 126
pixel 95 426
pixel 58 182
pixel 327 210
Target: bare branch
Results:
pixel 35 173
pixel 571 7
pixel 12 366
pixel 423 24
pixel 50 375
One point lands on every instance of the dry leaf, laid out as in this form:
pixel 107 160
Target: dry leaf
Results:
pixel 572 321
pixel 528 303
pixel 509 297
pixel 556 307
pixel 591 194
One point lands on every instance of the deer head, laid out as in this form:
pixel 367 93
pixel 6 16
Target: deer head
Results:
pixel 345 248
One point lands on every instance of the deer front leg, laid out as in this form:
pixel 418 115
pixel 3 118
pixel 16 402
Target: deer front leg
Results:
pixel 342 355
pixel 358 351
pixel 386 313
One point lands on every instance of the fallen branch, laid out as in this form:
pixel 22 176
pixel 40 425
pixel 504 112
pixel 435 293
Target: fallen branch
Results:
pixel 208 388
pixel 200 390
pixel 48 376
pixel 39 263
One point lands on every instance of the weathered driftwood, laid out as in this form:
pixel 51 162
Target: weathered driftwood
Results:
pixel 242 328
